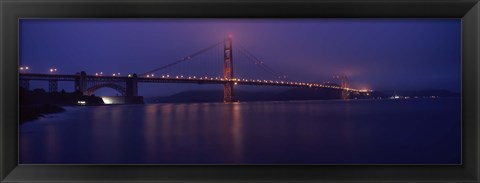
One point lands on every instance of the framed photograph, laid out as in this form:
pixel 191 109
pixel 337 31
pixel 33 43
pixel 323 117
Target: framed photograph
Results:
pixel 108 91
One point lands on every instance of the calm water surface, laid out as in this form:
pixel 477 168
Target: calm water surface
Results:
pixel 416 131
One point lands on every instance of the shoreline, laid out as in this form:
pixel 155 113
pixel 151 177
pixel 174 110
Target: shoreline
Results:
pixel 36 111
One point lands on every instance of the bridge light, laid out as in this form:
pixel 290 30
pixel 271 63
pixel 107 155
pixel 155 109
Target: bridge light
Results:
pixel 129 75
pixel 235 83
pixel 153 75
pixel 113 74
pixel 24 68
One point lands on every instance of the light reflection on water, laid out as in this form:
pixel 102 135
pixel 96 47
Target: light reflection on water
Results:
pixel 423 131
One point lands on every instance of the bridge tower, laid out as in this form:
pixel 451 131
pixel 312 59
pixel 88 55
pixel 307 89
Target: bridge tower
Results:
pixel 25 84
pixel 81 82
pixel 344 84
pixel 52 85
pixel 132 86
pixel 228 70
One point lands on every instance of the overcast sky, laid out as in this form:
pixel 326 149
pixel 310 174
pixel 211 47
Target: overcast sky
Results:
pixel 378 54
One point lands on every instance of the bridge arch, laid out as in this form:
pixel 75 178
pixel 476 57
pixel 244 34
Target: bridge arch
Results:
pixel 120 89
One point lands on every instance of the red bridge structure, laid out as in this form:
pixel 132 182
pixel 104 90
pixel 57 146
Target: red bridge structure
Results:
pixel 127 85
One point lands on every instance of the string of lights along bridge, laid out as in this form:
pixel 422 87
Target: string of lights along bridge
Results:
pixel 219 63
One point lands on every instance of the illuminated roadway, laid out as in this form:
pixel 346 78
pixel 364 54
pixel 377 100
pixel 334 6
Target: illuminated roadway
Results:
pixel 185 79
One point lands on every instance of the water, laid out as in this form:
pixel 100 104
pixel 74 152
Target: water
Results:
pixel 414 131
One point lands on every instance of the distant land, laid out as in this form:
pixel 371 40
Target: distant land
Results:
pixel 422 93
pixel 197 96
pixel 37 103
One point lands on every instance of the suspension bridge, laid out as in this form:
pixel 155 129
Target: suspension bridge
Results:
pixel 218 69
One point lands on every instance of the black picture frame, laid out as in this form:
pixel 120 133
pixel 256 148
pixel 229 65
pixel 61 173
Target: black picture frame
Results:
pixel 12 10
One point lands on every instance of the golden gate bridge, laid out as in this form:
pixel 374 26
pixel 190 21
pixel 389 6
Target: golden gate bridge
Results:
pixel 127 85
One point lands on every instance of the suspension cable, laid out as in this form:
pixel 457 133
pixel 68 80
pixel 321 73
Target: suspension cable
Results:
pixel 184 58
pixel 258 62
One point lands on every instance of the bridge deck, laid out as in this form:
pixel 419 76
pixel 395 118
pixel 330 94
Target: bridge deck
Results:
pixel 242 82
pixel 177 79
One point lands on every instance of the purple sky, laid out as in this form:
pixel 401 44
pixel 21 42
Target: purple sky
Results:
pixel 378 54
